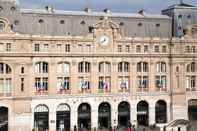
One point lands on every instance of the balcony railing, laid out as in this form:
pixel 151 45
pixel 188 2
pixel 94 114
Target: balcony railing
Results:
pixel 5 94
pixel 191 89
pixel 104 90
pixel 41 92
pixel 64 91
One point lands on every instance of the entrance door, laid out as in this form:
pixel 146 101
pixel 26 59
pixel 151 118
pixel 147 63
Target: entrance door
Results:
pixel 63 118
pixel 84 117
pixel 124 114
pixel 142 113
pixel 192 110
pixel 41 118
pixel 3 119
pixel 104 115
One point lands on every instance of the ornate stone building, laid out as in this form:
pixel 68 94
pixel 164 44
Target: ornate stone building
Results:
pixel 85 69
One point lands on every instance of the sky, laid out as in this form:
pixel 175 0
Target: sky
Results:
pixel 150 6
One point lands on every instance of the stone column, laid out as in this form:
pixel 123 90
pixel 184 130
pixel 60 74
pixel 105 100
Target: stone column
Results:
pixel 94 118
pixel 114 115
pixel 151 113
pixel 52 120
pixel 73 117
pixel 133 114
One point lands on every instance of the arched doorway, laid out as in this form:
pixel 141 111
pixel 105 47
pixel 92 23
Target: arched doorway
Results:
pixel 41 118
pixel 104 115
pixel 63 118
pixel 142 113
pixel 123 114
pixel 84 116
pixel 192 110
pixel 161 112
pixel 3 119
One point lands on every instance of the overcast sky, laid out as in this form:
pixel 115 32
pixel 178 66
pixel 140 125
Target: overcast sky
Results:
pixel 152 6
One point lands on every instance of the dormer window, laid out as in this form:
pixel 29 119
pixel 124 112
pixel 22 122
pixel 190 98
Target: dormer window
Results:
pixel 157 25
pixel 62 22
pixel 1 8
pixel 13 8
pixel 140 24
pixel 41 21
pixel 83 22
pixel 121 23
pixel 16 22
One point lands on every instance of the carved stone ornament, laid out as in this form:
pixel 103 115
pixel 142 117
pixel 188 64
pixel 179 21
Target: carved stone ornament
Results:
pixel 5 26
pixel 191 31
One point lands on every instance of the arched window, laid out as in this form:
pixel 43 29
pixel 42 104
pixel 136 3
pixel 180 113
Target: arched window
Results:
pixel 5 80
pixel 41 67
pixel 123 114
pixel 63 117
pixel 161 112
pixel 123 67
pixel 161 67
pixel 4 118
pixel 63 68
pixel 104 115
pixel 41 117
pixel 143 113
pixel 84 67
pixel 142 67
pixel 84 116
pixel 191 76
pixel 104 67
pixel 192 67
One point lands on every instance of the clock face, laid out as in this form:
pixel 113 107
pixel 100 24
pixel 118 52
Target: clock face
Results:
pixel 104 40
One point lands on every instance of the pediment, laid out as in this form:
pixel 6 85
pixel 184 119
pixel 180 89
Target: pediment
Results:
pixel 106 23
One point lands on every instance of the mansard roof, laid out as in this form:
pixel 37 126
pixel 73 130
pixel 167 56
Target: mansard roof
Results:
pixel 78 23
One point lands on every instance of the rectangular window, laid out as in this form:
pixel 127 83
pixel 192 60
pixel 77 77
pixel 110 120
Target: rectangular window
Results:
pixel 36 47
pixel 187 49
pixel 146 49
pixel 1 47
pixel 22 84
pixel 156 49
pixel 5 87
pixel 45 47
pixel 63 84
pixel 8 47
pixel 59 47
pixel 84 84
pixel 123 83
pixel 142 83
pixel 104 84
pixel 119 48
pixel 193 49
pixel 164 49
pixel 138 49
pixel 41 84
pixel 160 82
pixel 67 47
pixel 127 48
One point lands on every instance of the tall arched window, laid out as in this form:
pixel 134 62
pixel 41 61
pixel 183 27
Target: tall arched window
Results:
pixel 104 67
pixel 123 78
pixel 161 112
pixel 191 76
pixel 104 77
pixel 63 79
pixel 161 76
pixel 41 117
pixel 41 77
pixel 142 78
pixel 41 67
pixel 84 67
pixel 5 80
pixel 84 78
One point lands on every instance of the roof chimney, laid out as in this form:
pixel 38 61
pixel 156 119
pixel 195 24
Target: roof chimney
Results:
pixel 106 10
pixel 141 12
pixel 49 8
pixel 88 10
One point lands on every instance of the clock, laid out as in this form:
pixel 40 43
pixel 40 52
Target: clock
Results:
pixel 104 40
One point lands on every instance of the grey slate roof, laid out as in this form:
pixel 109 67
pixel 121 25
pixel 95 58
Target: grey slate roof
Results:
pixel 77 23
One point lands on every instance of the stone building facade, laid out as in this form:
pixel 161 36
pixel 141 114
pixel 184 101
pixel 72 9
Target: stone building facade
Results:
pixel 60 69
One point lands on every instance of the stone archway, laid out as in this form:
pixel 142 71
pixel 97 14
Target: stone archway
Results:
pixel 41 117
pixel 123 114
pixel 84 116
pixel 104 115
pixel 143 113
pixel 3 119
pixel 161 112
pixel 63 117
pixel 192 110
